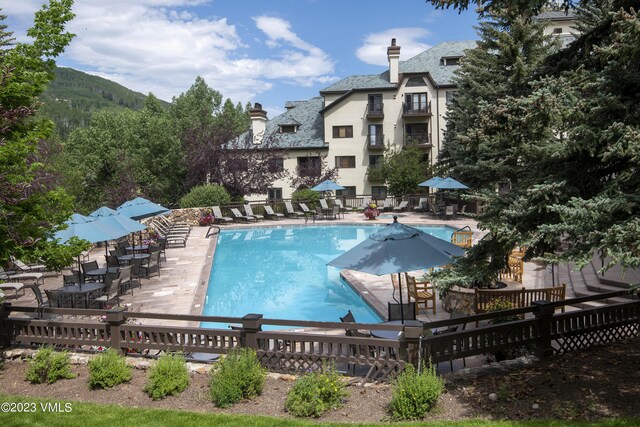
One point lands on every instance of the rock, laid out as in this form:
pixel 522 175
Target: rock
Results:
pixel 288 377
pixel 493 397
pixel 535 406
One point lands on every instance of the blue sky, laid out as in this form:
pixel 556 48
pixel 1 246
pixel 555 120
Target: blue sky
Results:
pixel 267 51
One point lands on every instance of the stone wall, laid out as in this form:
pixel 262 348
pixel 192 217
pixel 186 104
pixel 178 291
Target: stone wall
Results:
pixel 461 299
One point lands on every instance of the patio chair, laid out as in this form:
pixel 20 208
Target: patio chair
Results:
pixel 387 204
pixel 408 311
pixel 70 279
pixel 40 300
pixel 338 203
pixel 423 293
pixel 218 218
pixel 436 211
pixel 455 314
pixel 239 217
pixel 305 210
pixel 136 271
pixel 110 293
pixel 353 349
pixel 153 264
pixel 271 214
pixel 422 205
pixel 323 204
pixel 248 210
pixel 126 282
pixel 401 207
pixel 54 298
pixel 290 211
pixel 449 212
pixel 112 261
pixel 88 266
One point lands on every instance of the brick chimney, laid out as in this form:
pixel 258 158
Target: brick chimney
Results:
pixel 258 122
pixel 393 55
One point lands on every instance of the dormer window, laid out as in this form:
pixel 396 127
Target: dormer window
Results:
pixel 288 128
pixel 450 60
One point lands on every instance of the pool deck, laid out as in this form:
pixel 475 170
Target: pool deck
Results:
pixel 182 285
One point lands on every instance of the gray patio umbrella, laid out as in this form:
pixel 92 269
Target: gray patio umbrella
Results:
pixel 397 248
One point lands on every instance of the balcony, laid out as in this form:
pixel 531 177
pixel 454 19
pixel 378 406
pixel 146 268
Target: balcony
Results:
pixel 416 109
pixel 375 110
pixel 375 141
pixel 421 140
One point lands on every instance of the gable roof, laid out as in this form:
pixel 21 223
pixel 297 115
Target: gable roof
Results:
pixel 310 132
pixel 425 62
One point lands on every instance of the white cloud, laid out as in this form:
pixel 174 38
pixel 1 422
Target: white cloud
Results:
pixel 374 47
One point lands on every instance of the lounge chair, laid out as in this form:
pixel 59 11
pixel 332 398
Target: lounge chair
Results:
pixel 338 203
pixel 218 218
pixel 422 205
pixel 249 211
pixel 12 276
pixel 449 212
pixel 14 286
pixel 21 266
pixel 271 214
pixel 401 207
pixel 173 226
pixel 387 204
pixel 290 211
pixel 239 217
pixel 305 210
pixel 365 203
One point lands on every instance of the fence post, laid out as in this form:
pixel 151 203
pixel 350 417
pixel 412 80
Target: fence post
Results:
pixel 5 335
pixel 115 318
pixel 410 344
pixel 251 324
pixel 543 311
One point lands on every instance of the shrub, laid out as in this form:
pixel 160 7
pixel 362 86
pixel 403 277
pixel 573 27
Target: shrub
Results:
pixel 315 393
pixel 108 369
pixel 239 376
pixel 500 304
pixel 414 394
pixel 306 195
pixel 205 195
pixel 168 376
pixel 49 366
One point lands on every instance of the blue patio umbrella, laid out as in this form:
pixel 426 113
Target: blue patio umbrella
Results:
pixel 87 228
pixel 449 183
pixel 431 182
pixel 141 208
pixel 397 248
pixel 115 219
pixel 327 185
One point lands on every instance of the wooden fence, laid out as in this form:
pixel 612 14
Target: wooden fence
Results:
pixel 311 343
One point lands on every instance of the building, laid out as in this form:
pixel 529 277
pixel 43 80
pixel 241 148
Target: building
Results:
pixel 354 119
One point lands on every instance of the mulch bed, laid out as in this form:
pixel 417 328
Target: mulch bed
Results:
pixel 597 383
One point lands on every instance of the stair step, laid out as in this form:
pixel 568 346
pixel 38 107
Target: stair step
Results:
pixel 600 288
pixel 590 304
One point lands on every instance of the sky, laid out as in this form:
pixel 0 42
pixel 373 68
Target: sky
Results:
pixel 266 51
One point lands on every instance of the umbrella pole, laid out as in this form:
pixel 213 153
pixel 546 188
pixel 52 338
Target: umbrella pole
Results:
pixel 401 305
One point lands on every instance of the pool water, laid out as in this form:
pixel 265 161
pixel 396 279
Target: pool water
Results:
pixel 281 273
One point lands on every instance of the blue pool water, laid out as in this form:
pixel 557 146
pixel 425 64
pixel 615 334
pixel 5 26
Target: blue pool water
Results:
pixel 281 273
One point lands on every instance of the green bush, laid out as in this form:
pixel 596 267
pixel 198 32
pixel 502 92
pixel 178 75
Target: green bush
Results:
pixel 49 366
pixel 315 393
pixel 306 195
pixel 168 376
pixel 413 394
pixel 108 369
pixel 239 376
pixel 205 195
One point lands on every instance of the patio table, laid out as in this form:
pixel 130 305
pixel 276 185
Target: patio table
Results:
pixel 99 272
pixel 129 257
pixel 393 335
pixel 82 288
pixel 137 249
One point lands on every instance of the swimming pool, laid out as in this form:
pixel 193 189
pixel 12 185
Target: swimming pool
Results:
pixel 281 272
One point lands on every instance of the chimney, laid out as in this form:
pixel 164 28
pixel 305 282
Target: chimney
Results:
pixel 393 55
pixel 258 122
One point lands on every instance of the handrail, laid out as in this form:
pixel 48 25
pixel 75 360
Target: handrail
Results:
pixel 212 234
pixel 461 229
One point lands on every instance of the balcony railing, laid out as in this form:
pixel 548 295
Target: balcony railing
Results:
pixel 418 139
pixel 375 141
pixel 375 110
pixel 416 109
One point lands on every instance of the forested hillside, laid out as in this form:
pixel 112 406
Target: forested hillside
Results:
pixel 73 96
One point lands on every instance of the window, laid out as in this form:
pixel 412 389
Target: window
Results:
pixel 375 159
pixel 309 166
pixel 417 133
pixel 452 60
pixel 416 102
pixel 343 131
pixel 348 191
pixel 557 30
pixel 375 137
pixel 378 191
pixel 375 103
pixel 287 128
pixel 276 164
pixel 275 193
pixel 450 96
pixel 345 162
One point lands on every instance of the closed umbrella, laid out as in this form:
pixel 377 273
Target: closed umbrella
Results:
pixel 397 248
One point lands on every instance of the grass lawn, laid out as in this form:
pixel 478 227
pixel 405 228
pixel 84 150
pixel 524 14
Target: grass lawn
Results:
pixel 51 413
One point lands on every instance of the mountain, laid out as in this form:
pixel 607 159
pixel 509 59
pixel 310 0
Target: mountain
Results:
pixel 73 96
